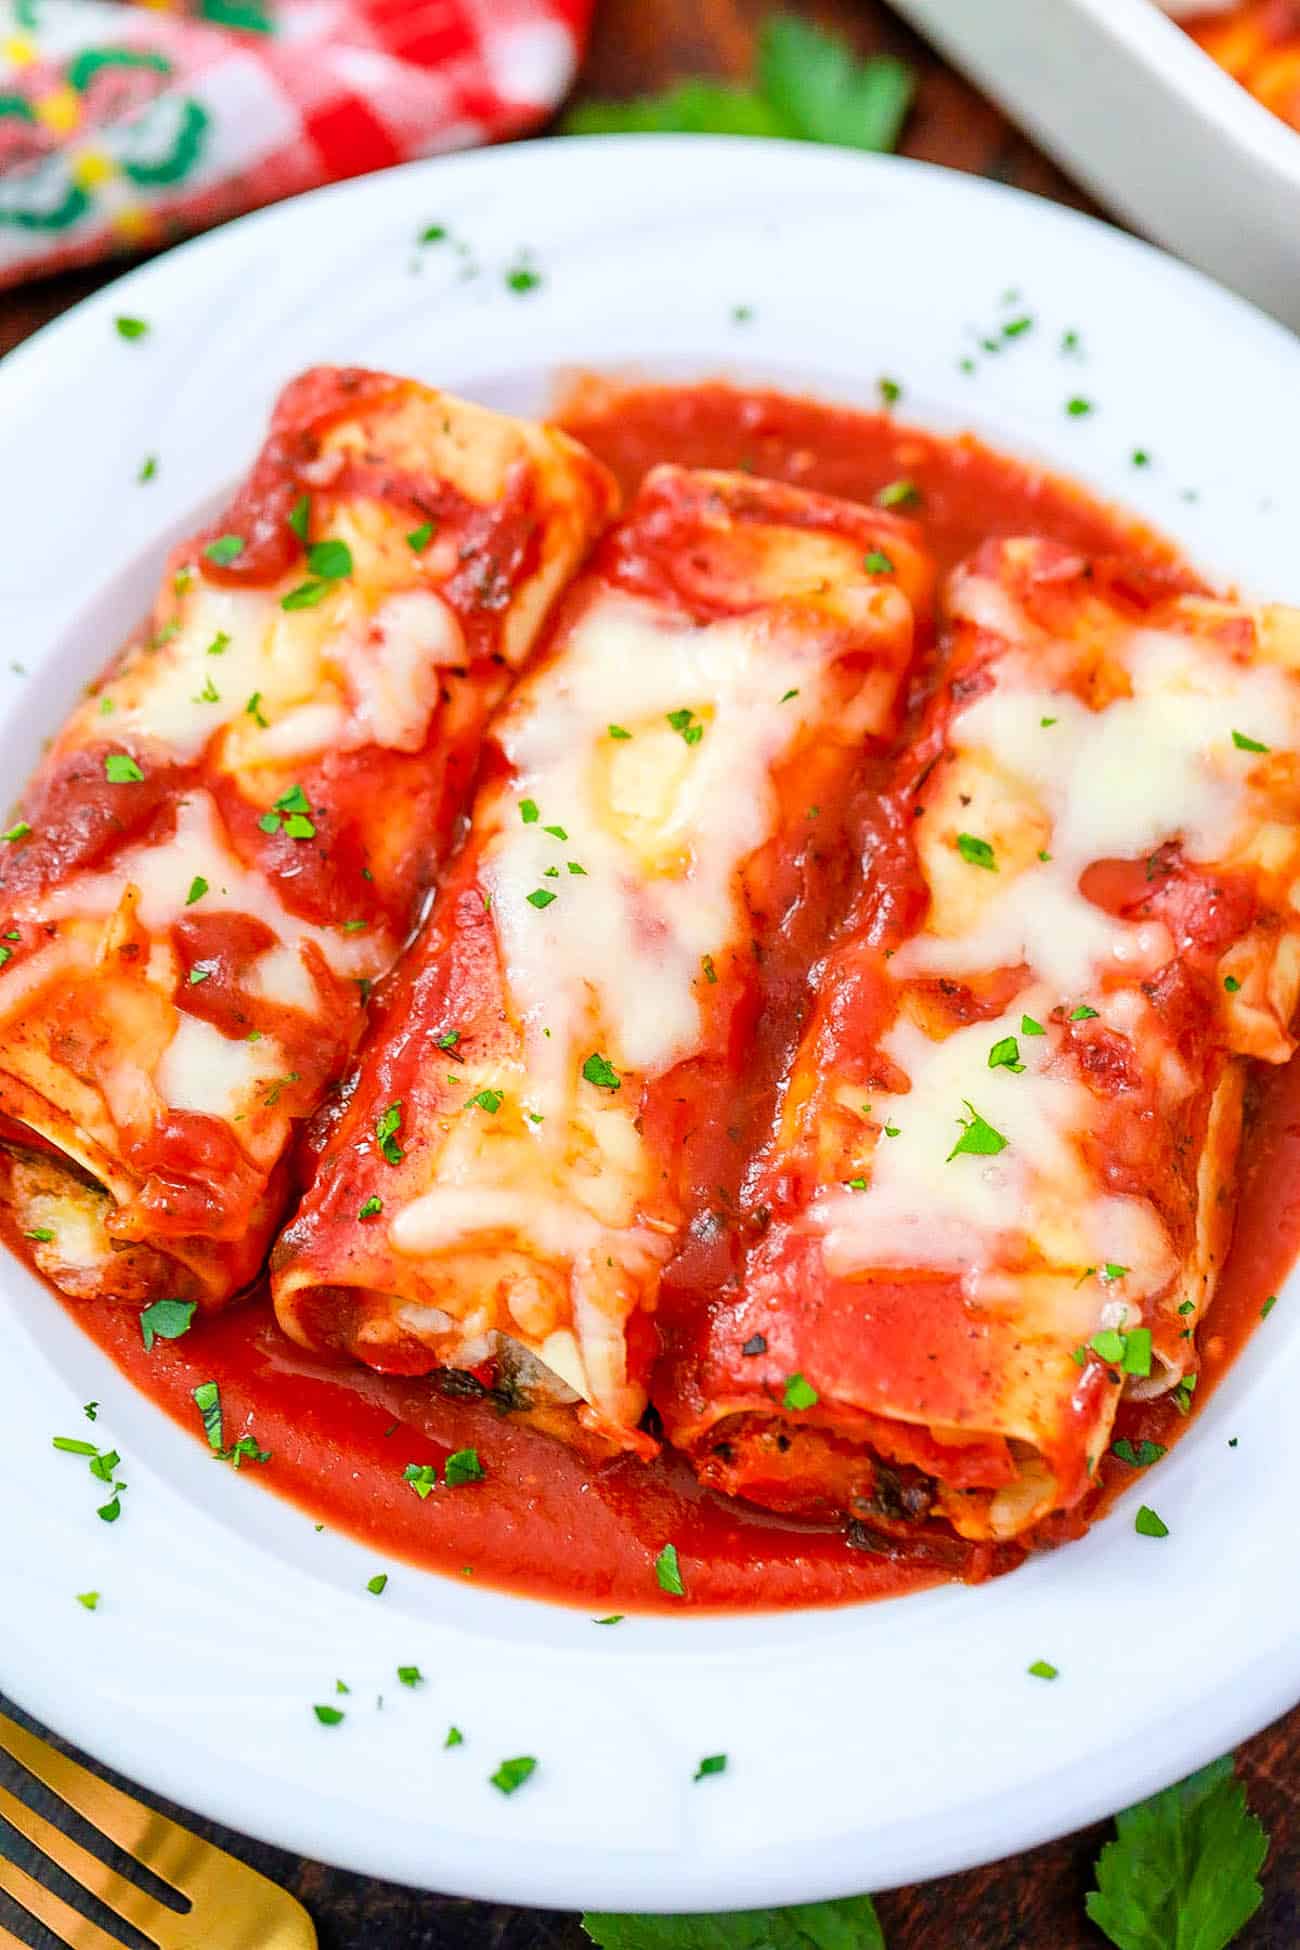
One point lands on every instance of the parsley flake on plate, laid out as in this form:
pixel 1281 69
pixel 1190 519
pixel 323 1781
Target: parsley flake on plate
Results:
pixel 329 1716
pixel 455 1738
pixel 1245 744
pixel 512 1774
pixel 1140 1457
pixel 410 1675
pixel 668 1572
pixel 711 1764
pixel 166 1320
pixel 1148 1523
pixel 377 1585
pixel 1044 1669
pixel 131 328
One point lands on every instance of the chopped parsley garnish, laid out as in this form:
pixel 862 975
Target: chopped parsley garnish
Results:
pixel 1082 1014
pixel 1044 1669
pixel 668 1572
pixel 711 1764
pixel 166 1320
pixel 219 644
pixel 329 1716
pixel 522 278
pixel 1140 457
pixel 600 1071
pixel 1130 1351
pixel 455 1738
pixel 488 1100
pixel 307 595
pixel 890 391
pixel 1231 983
pixel 88 1599
pixel 463 1466
pixel 976 852
pixel 877 563
pixel 1182 1395
pixel 72 1445
pixel 1148 1524
pixel 898 494
pixel 682 723
pixel 371 1209
pixel 614 1618
pixel 419 538
pixel 449 1039
pixel 299 516
pixel 1078 408
pixel 200 974
pixel 207 1399
pixel 148 468
pixel 386 1133
pixel 710 972
pixel 198 888
pixel 798 1393
pixel 1245 744
pixel 289 814
pixel 556 832
pixel 617 731
pixel 433 233
pixel 978 1138
pixel 787 695
pixel 209 694
pixel 224 550
pixel 41 1234
pixel 1005 1055
pixel 528 812
pixel 410 1676
pixel 253 709
pixel 19 831
pixel 423 1478
pixel 1015 328
pixel 131 328
pixel 513 1773
pixel 1045 724
pixel 377 1585
pixel 1140 1457
pixel 1112 1270
pixel 121 769
pixel 540 897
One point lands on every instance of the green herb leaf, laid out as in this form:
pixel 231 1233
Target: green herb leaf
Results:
pixel 419 538
pixel 300 516
pixel 617 731
pixel 224 549
pixel 410 1675
pixel 1082 1014
pixel 668 1571
pixel 371 1209
pixel 513 1773
pixel 90 1599
pixel 1044 1669
pixel 692 107
pixel 898 494
pixel 329 560
pixel 1005 1055
pixel 207 1399
pixel 1148 1524
pixel 121 769
pixel 329 1716
pixel 978 1139
pixel 816 82
pixel 1140 1458
pixel 600 1071
pixel 386 1133
pixel 711 1764
pixel 131 328
pixel 798 1393
pixel 463 1466
pixel 1078 409
pixel 377 1585
pixel 306 596
pixel 528 812
pixel 1182 1872
pixel 166 1320
pixel 877 563
pixel 976 852
pixel 198 888
pixel 488 1100
pixel 148 468
pixel 540 897
pixel 423 1478
pixel 890 391
pixel 850 1924
pixel 1245 744
pixel 18 831
pixel 614 1618
pixel 455 1738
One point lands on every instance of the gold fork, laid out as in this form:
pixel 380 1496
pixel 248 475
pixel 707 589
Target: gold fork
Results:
pixel 232 1907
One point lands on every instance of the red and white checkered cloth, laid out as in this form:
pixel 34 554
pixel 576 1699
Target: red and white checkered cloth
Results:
pixel 126 126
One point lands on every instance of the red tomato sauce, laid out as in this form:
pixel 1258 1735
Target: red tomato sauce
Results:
pixel 544 1521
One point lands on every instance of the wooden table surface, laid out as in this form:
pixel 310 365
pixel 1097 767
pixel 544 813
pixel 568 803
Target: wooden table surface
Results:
pixel 1030 1902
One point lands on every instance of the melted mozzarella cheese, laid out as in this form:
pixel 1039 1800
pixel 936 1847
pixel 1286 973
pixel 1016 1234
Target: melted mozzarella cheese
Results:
pixel 1035 1198
pixel 657 825
pixel 202 1070
pixel 1158 765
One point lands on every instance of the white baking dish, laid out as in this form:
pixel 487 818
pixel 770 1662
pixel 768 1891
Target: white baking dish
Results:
pixel 1134 109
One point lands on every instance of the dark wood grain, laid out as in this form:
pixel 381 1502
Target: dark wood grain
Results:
pixel 1030 1902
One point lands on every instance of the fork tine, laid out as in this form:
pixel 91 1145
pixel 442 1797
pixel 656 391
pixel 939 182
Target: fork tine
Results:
pixel 76 1930
pixel 130 1903
pixel 171 1852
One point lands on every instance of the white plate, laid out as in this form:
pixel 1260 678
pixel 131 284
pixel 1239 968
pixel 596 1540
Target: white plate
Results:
pixel 867 1746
